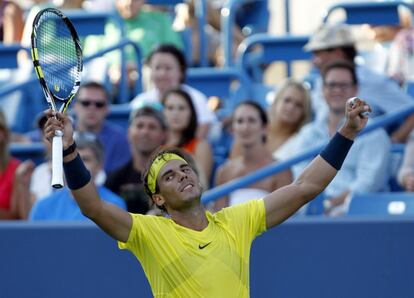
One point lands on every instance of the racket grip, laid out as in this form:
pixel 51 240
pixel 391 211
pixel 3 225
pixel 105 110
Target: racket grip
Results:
pixel 57 161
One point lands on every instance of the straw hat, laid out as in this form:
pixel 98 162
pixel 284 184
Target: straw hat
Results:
pixel 330 36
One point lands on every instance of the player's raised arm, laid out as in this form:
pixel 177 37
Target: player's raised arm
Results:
pixel 284 202
pixel 113 220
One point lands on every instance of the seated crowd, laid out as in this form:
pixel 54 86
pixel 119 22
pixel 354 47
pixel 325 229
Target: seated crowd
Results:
pixel 171 113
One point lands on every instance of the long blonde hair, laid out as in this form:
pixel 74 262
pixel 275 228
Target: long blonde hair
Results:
pixel 4 148
pixel 307 112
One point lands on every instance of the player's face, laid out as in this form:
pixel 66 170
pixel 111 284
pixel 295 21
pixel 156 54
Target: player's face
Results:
pixel 247 125
pixel 338 87
pixel 165 71
pixel 290 108
pixel 145 134
pixel 179 186
pixel 91 108
pixel 177 112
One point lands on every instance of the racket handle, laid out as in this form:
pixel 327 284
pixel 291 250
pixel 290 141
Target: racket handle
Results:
pixel 57 160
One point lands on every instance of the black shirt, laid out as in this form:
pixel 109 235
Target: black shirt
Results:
pixel 127 183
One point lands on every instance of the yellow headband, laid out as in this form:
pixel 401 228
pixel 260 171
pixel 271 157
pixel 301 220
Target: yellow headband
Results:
pixel 156 167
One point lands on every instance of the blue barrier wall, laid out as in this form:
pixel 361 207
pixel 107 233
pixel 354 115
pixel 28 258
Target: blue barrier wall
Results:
pixel 316 257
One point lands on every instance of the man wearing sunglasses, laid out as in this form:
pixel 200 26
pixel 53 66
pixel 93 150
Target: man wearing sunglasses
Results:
pixel 91 108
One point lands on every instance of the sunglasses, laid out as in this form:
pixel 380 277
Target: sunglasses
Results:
pixel 98 104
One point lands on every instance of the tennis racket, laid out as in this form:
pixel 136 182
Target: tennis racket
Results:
pixel 57 59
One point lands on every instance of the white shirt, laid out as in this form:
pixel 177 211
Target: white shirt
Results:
pixel 287 149
pixel 40 181
pixel 42 176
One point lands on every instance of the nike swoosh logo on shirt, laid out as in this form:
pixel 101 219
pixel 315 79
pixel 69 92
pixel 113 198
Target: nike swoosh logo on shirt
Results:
pixel 203 246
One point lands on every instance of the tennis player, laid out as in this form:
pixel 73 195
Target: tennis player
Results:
pixel 191 252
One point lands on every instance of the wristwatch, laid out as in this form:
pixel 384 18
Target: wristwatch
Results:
pixel 69 150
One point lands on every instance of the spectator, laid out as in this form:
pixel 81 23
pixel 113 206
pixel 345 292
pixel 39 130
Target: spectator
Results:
pixel 91 109
pixel 71 4
pixel 33 182
pixel 333 42
pixel 366 166
pixel 142 25
pixel 8 166
pixel 290 110
pixel 249 126
pixel 406 172
pixel 147 131
pixel 60 205
pixel 37 6
pixel 401 57
pixel 168 71
pixel 181 119
pixel 11 22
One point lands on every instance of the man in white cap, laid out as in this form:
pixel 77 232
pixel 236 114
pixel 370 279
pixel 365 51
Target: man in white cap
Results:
pixel 336 42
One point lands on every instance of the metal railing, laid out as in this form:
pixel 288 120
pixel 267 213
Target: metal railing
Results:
pixel 274 168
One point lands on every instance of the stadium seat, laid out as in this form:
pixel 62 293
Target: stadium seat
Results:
pixel 8 55
pixel 119 114
pixel 33 151
pixel 215 81
pixel 391 203
pixel 251 15
pixel 268 49
pixel 369 12
pixel 409 88
pixel 228 84
pixel 88 22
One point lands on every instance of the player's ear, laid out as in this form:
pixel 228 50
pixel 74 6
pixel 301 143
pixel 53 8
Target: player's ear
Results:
pixel 158 199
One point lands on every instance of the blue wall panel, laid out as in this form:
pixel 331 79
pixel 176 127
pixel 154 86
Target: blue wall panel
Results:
pixel 316 257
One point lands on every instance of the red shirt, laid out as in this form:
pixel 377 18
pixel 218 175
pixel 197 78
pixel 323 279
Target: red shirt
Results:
pixel 6 183
pixel 190 146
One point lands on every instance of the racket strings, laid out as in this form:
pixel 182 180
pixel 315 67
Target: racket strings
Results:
pixel 57 55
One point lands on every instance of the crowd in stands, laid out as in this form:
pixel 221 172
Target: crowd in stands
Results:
pixel 302 114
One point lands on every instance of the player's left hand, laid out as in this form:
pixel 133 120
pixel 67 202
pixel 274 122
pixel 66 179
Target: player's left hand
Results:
pixel 356 113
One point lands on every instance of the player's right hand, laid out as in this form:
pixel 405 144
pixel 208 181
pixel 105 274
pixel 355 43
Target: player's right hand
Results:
pixel 58 122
